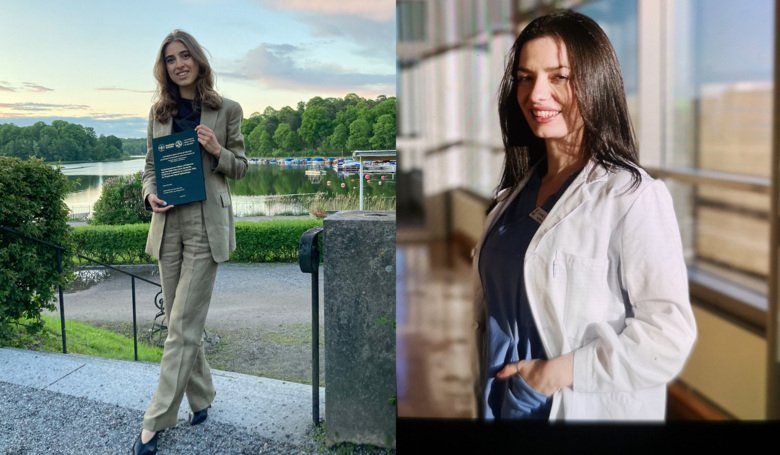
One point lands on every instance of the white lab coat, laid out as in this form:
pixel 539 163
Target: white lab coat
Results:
pixel 606 279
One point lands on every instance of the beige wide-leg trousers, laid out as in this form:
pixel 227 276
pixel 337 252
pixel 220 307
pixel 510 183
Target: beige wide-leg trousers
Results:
pixel 187 273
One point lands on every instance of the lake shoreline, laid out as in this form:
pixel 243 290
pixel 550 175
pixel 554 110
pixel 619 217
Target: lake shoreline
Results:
pixel 265 190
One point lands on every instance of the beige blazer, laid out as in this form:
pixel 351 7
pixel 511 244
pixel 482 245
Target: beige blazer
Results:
pixel 606 279
pixel 217 208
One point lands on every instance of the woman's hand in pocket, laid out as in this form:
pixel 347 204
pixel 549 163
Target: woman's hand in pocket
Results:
pixel 544 376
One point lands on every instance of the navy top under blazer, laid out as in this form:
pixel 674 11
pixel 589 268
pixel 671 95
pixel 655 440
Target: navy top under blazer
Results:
pixel 187 116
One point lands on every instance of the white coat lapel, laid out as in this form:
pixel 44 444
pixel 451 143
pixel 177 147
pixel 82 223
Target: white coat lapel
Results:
pixel 504 200
pixel 578 192
pixel 550 318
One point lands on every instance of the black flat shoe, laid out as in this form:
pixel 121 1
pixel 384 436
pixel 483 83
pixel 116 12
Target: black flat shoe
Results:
pixel 150 448
pixel 199 417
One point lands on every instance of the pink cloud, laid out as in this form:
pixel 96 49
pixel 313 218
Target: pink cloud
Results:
pixel 378 10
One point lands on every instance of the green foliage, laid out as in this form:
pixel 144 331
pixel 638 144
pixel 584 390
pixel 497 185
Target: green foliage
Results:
pixel 60 141
pixel 113 244
pixel 271 241
pixel 384 133
pixel 359 134
pixel 316 125
pixel 32 204
pixel 322 126
pixel 386 322
pixel 267 241
pixel 338 140
pixel 121 202
pixel 249 124
pixel 134 146
pixel 286 138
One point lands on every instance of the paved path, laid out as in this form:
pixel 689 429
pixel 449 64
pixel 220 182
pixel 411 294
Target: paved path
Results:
pixel 47 399
pixel 246 296
pixel 69 403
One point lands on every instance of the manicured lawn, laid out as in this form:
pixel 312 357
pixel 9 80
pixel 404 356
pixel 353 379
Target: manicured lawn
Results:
pixel 85 339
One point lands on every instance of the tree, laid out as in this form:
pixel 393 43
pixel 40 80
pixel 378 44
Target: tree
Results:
pixel 60 141
pixel 107 148
pixel 249 124
pixel 286 138
pixel 359 134
pixel 270 120
pixel 320 123
pixel 384 133
pixel 134 146
pixel 338 140
pixel 267 144
pixel 348 115
pixel 259 142
pixel 289 116
pixel 315 126
pixel 385 107
pixel 315 101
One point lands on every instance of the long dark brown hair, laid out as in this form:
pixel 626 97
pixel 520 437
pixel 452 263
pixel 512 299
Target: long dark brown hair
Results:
pixel 168 92
pixel 607 137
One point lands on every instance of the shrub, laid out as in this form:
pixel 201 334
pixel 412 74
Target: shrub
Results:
pixel 121 202
pixel 266 241
pixel 32 204
pixel 270 241
pixel 113 244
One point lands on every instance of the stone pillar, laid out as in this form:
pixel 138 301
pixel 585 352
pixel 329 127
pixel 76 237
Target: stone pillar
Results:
pixel 359 265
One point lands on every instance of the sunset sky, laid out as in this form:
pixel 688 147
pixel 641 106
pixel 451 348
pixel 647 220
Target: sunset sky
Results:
pixel 90 62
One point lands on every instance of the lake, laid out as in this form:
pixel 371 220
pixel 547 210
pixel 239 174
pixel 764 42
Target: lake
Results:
pixel 266 189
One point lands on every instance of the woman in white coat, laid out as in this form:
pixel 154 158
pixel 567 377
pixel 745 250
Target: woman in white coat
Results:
pixel 582 302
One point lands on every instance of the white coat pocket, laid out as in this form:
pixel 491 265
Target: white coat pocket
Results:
pixel 588 299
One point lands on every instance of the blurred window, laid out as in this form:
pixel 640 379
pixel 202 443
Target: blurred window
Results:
pixel 719 135
pixel 410 16
pixel 717 74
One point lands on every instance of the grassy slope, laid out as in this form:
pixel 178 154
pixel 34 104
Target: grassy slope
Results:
pixel 85 339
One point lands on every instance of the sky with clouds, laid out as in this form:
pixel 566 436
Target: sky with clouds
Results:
pixel 90 61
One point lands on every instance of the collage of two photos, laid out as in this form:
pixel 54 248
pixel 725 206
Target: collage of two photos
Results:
pixel 343 227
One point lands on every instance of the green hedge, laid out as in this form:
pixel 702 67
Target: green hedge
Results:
pixel 270 241
pixel 113 244
pixel 262 241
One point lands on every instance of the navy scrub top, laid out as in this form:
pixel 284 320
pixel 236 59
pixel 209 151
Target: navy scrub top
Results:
pixel 512 333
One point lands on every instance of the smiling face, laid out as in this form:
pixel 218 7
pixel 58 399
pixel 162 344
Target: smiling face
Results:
pixel 182 68
pixel 544 90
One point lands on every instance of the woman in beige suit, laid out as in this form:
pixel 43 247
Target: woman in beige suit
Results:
pixel 189 240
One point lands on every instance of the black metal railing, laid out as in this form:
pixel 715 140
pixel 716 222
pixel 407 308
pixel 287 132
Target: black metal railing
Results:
pixel 309 262
pixel 60 250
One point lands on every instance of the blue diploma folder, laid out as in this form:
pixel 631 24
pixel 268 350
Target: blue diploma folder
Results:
pixel 178 167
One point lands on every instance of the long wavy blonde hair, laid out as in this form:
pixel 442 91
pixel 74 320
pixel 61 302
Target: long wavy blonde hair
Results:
pixel 168 92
